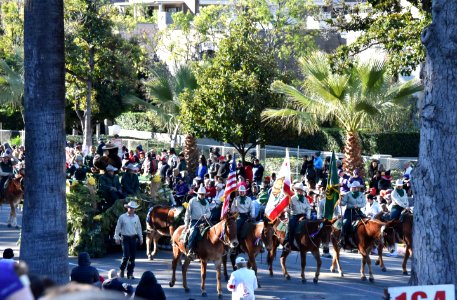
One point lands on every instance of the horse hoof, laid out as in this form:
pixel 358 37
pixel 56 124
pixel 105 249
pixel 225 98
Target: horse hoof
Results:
pixel 371 279
pixel 405 272
pixel 303 281
pixel 384 269
pixel 220 295
pixel 17 227
pixel 9 225
pixel 150 257
pixel 204 294
pixel 332 270
pixel 364 278
pixel 341 275
pixel 315 280
pixel 186 290
pixel 171 284
pixel 287 276
pixel 271 274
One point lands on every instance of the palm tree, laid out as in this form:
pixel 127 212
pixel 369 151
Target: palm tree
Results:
pixel 44 244
pixel 351 99
pixel 12 83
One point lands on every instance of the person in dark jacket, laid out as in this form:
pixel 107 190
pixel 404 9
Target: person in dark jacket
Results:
pixel 110 186
pixel 385 182
pixel 149 288
pixel 113 283
pixel 84 272
pixel 130 182
pixel 224 168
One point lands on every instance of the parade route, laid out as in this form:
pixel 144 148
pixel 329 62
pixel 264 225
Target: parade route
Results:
pixel 330 285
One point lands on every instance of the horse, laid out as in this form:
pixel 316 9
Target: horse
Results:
pixel 256 235
pixel 161 221
pixel 211 247
pixel 404 233
pixel 308 236
pixel 13 195
pixel 367 233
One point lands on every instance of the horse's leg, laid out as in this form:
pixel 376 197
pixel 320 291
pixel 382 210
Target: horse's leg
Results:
pixel 368 261
pixel 318 259
pixel 224 265
pixel 270 257
pixel 380 261
pixel 184 274
pixel 155 240
pixel 251 253
pixel 203 276
pixel 283 260
pixel 303 264
pixel 362 267
pixel 336 258
pixel 12 216
pixel 174 263
pixel 408 253
pixel 217 264
pixel 148 245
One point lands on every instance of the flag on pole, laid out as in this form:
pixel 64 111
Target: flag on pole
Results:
pixel 281 192
pixel 332 192
pixel 230 187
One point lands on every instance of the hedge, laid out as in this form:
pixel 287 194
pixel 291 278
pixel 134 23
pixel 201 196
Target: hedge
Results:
pixel 397 144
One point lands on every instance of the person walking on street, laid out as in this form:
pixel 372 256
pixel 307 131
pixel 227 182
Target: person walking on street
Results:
pixel 242 282
pixel 128 229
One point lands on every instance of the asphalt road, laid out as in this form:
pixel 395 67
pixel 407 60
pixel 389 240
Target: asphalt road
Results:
pixel 330 286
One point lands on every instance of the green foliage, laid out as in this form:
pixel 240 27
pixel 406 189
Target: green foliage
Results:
pixel 397 29
pixel 12 82
pixel 233 88
pixel 11 120
pixel 143 121
pixel 16 141
pixel 11 28
pixel 397 144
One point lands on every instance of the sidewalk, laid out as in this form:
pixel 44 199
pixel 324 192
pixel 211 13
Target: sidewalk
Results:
pixel 9 237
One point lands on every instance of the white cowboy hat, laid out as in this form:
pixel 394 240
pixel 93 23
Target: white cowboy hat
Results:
pixel 132 167
pixel 201 190
pixel 131 204
pixel 299 186
pixel 399 182
pixel 109 146
pixel 242 188
pixel 240 260
pixel 5 154
pixel 355 184
pixel 111 168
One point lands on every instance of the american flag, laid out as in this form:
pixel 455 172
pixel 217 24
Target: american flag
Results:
pixel 230 187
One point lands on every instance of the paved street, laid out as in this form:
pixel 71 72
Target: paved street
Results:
pixel 330 285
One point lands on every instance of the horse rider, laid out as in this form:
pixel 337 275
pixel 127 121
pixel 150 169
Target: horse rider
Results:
pixel 6 170
pixel 354 201
pixel 298 207
pixel 196 213
pixel 245 207
pixel 399 200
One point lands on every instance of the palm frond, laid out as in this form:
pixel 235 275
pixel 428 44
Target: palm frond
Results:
pixel 371 76
pixel 400 92
pixel 301 120
pixel 293 95
pixel 367 107
pixel 316 65
pixel 185 79
pixel 160 89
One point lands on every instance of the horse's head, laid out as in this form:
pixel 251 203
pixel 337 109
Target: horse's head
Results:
pixel 230 229
pixel 387 235
pixel 268 233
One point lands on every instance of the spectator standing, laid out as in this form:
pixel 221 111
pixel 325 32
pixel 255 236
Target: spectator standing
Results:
pixel 242 282
pixel 84 272
pixel 101 144
pixel 318 165
pixel 128 229
pixel 202 167
pixel 113 283
pixel 182 164
pixel 130 182
pixel 258 171
pixel 149 288
pixel 224 168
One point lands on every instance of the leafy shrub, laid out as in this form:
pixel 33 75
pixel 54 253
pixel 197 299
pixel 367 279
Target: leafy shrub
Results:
pixel 16 141
pixel 138 121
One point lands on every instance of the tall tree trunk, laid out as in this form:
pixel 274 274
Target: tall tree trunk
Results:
pixel 191 154
pixel 44 233
pixel 353 154
pixel 434 181
pixel 88 114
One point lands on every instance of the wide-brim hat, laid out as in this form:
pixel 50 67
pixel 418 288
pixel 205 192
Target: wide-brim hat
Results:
pixel 201 190
pixel 399 182
pixel 299 186
pixel 109 146
pixel 355 184
pixel 132 167
pixel 242 188
pixel 111 168
pixel 132 204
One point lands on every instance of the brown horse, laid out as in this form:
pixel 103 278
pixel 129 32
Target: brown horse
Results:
pixel 211 247
pixel 367 233
pixel 161 221
pixel 404 233
pixel 13 195
pixel 258 234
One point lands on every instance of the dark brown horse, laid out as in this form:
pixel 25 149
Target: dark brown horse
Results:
pixel 365 236
pixel 161 221
pixel 258 234
pixel 308 237
pixel 404 234
pixel 211 247
pixel 13 195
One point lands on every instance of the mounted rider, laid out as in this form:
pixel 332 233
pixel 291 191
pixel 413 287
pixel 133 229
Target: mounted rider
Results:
pixel 196 213
pixel 298 207
pixel 399 200
pixel 354 201
pixel 245 207
pixel 6 170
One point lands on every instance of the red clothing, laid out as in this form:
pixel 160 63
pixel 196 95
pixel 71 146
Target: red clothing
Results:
pixel 211 192
pixel 248 172
pixel 310 199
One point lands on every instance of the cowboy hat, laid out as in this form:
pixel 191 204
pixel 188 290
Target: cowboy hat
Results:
pixel 109 146
pixel 355 184
pixel 131 204
pixel 111 168
pixel 299 186
pixel 201 190
pixel 399 182
pixel 242 188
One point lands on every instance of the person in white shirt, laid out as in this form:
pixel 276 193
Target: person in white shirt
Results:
pixel 242 282
pixel 298 207
pixel 372 208
pixel 354 201
pixel 245 207
pixel 399 200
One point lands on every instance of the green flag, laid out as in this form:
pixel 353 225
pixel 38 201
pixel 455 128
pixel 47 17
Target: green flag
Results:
pixel 333 188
